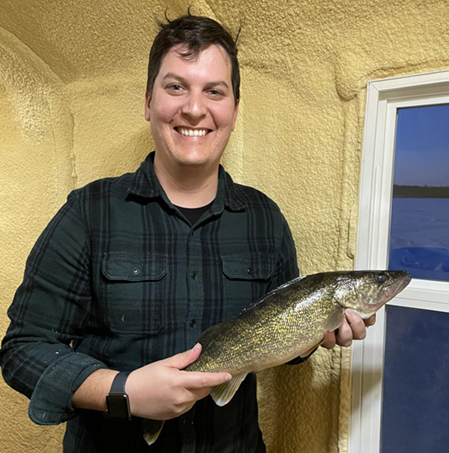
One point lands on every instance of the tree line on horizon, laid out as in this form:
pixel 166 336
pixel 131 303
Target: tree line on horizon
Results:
pixel 400 191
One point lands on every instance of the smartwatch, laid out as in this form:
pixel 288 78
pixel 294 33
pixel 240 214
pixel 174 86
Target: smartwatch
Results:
pixel 117 399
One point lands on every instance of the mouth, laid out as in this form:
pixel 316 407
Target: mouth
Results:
pixel 398 285
pixel 191 132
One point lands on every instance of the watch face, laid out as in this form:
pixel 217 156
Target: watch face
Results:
pixel 118 406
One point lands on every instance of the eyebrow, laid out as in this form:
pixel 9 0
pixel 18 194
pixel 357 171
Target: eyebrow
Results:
pixel 172 75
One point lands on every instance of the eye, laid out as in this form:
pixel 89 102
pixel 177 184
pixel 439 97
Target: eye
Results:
pixel 381 278
pixel 215 93
pixel 175 87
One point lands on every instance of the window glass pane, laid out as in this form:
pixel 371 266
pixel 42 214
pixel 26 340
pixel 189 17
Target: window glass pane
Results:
pixel 419 235
pixel 415 407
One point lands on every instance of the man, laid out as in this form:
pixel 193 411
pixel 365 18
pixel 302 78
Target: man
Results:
pixel 132 269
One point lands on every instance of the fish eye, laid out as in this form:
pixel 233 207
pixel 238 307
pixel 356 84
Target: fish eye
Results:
pixel 381 278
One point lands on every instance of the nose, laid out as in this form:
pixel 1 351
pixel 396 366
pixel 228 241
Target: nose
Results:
pixel 194 106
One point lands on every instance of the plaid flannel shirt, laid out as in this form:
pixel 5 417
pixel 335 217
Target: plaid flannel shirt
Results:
pixel 120 279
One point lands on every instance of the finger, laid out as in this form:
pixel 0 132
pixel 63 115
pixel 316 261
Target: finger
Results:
pixel 197 380
pixel 198 394
pixel 329 340
pixel 184 359
pixel 370 321
pixel 357 325
pixel 345 334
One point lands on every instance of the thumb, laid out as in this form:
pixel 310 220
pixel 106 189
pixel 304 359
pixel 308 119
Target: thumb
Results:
pixel 184 359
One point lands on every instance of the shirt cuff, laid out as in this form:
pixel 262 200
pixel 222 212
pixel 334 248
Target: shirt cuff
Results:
pixel 51 401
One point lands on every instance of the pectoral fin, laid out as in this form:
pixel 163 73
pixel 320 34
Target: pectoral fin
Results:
pixel 223 393
pixel 151 430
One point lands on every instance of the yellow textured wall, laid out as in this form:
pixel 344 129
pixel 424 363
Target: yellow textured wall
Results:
pixel 72 81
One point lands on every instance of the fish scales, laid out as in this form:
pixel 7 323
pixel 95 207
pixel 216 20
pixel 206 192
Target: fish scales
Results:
pixel 286 323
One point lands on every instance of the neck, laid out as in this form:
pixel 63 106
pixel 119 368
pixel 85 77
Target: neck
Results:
pixel 188 186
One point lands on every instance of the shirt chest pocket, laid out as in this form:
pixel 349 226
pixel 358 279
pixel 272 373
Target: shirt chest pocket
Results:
pixel 246 279
pixel 133 292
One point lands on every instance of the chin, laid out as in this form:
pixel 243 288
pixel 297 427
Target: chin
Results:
pixel 195 161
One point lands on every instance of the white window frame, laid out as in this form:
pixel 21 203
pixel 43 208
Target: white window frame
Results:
pixel 384 97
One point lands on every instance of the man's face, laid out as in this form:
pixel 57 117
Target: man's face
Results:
pixel 192 109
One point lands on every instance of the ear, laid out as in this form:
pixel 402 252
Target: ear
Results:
pixel 147 106
pixel 236 111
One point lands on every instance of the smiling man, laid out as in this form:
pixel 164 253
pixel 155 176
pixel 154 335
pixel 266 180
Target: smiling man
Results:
pixel 192 111
pixel 132 269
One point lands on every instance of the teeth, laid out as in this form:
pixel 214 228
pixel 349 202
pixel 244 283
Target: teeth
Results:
pixel 193 132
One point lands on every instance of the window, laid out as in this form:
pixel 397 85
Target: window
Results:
pixel 419 232
pixel 404 224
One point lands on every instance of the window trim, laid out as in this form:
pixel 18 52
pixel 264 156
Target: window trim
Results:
pixel 384 97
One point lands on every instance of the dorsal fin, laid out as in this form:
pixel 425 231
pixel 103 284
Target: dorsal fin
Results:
pixel 271 293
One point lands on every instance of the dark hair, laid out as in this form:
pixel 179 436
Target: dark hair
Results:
pixel 195 32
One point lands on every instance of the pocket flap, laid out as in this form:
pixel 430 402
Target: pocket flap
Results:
pixel 133 267
pixel 259 266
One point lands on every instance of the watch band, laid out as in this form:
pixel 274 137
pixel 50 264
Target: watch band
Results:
pixel 118 384
pixel 117 400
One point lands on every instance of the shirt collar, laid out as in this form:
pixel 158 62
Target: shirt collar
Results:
pixel 145 184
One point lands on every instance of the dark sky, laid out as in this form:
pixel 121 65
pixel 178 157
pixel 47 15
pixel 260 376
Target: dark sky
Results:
pixel 422 146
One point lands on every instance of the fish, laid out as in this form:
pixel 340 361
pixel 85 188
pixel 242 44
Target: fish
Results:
pixel 287 323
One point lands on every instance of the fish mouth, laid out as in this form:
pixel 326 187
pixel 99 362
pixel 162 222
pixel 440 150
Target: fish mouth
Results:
pixel 398 284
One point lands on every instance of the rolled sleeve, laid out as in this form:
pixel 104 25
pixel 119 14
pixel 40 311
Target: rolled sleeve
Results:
pixel 51 401
pixel 50 311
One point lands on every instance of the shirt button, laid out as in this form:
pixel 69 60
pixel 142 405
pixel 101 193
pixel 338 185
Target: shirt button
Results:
pixel 136 271
pixel 250 271
pixel 193 275
pixel 192 322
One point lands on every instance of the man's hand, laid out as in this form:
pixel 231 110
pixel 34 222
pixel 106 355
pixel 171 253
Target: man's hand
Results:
pixel 352 328
pixel 161 390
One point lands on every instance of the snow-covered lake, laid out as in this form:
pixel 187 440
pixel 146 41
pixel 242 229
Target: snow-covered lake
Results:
pixel 419 238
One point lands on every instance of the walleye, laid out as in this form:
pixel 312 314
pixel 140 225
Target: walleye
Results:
pixel 286 323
